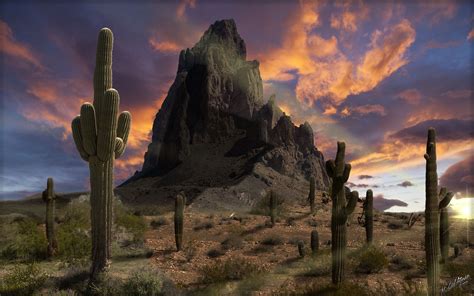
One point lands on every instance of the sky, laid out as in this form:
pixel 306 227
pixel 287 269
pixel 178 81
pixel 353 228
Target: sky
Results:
pixel 374 74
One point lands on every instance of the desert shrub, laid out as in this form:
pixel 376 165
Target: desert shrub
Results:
pixel 22 280
pixel 73 234
pixel 206 225
pixel 232 242
pixel 312 223
pixel 395 224
pixel 214 253
pixel 272 240
pixel 371 260
pixel 463 269
pixel 74 279
pixel 231 269
pixel 344 289
pixel 398 263
pixel 291 221
pixel 142 283
pixel 23 239
pixel 105 285
pixel 157 223
pixel 134 224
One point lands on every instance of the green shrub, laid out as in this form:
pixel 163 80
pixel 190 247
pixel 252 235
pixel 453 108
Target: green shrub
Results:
pixel 229 270
pixel 22 280
pixel 105 285
pixel 23 239
pixel 398 263
pixel 73 235
pixel 262 207
pixel 371 260
pixel 233 241
pixel 134 224
pixel 144 282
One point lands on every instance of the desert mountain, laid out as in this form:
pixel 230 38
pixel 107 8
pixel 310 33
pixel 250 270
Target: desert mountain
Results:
pixel 215 137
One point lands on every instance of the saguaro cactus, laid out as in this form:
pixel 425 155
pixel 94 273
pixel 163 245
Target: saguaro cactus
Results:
pixel 311 196
pixel 432 206
pixel 339 172
pixel 101 138
pixel 314 242
pixel 49 197
pixel 179 220
pixel 369 216
pixel 301 249
pixel 444 223
pixel 273 207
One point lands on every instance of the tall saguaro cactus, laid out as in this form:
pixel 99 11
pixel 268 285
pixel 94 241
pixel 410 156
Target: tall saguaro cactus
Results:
pixel 369 216
pixel 311 196
pixel 432 206
pixel 49 197
pixel 444 222
pixel 101 138
pixel 179 220
pixel 339 172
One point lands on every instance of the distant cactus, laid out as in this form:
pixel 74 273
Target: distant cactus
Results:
pixel 369 216
pixel 444 224
pixel 311 196
pixel 49 197
pixel 100 139
pixel 179 220
pixel 314 242
pixel 273 207
pixel 341 209
pixel 301 249
pixel 432 234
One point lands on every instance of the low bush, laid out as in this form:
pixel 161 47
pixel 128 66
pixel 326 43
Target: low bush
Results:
pixel 22 239
pixel 22 280
pixel 262 206
pixel 272 240
pixel 206 225
pixel 371 260
pixel 233 241
pixel 157 223
pixel 214 253
pixel 398 263
pixel 134 224
pixel 142 283
pixel 229 270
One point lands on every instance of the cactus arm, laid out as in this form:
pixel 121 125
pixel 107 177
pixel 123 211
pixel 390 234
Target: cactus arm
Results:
pixel 330 168
pixel 445 200
pixel 77 136
pixel 88 128
pixel 349 208
pixel 346 173
pixel 123 130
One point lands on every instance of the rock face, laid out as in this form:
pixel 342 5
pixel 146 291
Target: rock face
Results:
pixel 217 97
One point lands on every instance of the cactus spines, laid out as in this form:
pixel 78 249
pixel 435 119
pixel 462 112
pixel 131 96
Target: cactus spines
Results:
pixel 432 206
pixel 369 216
pixel 339 172
pixel 273 207
pixel 100 138
pixel 311 196
pixel 301 249
pixel 179 220
pixel 49 197
pixel 445 198
pixel 314 242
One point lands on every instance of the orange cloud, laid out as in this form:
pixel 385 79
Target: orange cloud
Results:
pixel 470 36
pixel 411 96
pixel 364 110
pixel 9 46
pixel 183 4
pixel 164 46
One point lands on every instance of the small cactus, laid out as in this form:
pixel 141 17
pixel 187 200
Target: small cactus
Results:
pixel 273 207
pixel 444 224
pixel 100 138
pixel 432 233
pixel 179 220
pixel 311 196
pixel 301 249
pixel 339 171
pixel 314 242
pixel 369 216
pixel 49 197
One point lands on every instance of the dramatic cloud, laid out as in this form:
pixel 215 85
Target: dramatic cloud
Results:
pixel 16 49
pixel 382 204
pixel 459 177
pixel 406 184
pixel 411 96
pixel 364 110
pixel 470 36
pixel 446 130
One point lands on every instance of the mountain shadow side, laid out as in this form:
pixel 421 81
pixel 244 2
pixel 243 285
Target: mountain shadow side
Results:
pixel 215 136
